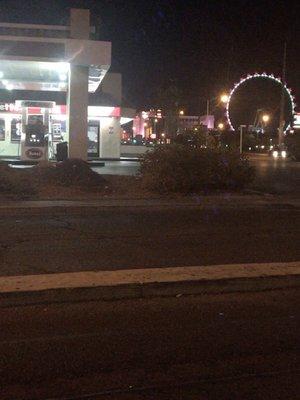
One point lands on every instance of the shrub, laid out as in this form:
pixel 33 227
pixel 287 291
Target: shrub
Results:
pixel 182 169
pixel 71 172
pixel 15 182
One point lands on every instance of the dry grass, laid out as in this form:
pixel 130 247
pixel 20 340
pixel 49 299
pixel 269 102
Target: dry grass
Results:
pixel 48 182
pixel 116 187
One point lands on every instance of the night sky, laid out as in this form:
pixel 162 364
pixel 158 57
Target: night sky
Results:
pixel 203 47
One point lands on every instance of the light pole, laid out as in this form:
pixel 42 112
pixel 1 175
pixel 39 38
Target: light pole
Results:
pixel 241 138
pixel 223 99
pixel 154 126
pixel 265 119
pixel 281 117
pixel 207 107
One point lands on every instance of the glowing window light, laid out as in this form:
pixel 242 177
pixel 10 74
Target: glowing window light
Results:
pixel 254 76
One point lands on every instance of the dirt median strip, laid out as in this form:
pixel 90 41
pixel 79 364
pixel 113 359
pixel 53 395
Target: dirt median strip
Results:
pixel 143 283
pixel 205 203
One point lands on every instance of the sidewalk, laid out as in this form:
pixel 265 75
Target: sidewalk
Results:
pixel 143 283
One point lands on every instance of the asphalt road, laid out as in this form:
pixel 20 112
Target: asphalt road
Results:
pixel 49 240
pixel 233 346
pixel 276 175
pixel 273 176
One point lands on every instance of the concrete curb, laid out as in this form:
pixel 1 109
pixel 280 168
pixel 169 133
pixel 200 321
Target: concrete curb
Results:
pixel 146 283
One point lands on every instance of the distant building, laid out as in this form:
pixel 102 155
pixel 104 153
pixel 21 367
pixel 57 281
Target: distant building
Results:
pixel 296 124
pixel 208 121
pixel 188 122
pixel 151 124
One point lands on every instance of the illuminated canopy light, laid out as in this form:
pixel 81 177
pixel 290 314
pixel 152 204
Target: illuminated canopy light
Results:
pixel 255 76
pixel 61 67
pixel 63 77
pixel 125 120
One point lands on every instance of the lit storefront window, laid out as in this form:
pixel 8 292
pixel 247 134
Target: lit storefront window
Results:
pixel 15 129
pixel 58 128
pixel 2 129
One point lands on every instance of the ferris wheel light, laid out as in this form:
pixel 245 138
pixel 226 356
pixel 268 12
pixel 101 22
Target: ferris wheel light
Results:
pixel 257 75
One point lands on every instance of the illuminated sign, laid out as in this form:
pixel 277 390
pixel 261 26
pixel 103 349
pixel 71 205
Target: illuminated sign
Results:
pixel 93 111
pixel 297 121
pixel 34 153
pixel 10 107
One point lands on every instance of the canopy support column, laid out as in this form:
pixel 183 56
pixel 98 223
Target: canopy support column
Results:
pixel 77 109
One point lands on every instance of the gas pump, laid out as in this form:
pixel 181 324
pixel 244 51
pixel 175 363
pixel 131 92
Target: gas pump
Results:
pixel 36 135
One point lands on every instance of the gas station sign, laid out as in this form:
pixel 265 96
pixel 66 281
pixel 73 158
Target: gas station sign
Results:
pixel 34 154
pixel 10 107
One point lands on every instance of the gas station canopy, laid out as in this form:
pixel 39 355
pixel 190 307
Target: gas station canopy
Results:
pixel 59 58
pixel 32 57
pixel 39 75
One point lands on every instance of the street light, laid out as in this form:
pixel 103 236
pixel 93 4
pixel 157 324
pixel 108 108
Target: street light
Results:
pixel 154 125
pixel 224 98
pixel 181 112
pixel 266 118
pixel 241 137
pixel 221 126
